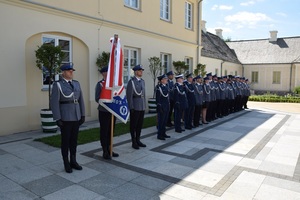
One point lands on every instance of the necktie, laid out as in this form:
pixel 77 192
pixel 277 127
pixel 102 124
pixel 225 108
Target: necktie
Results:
pixel 71 84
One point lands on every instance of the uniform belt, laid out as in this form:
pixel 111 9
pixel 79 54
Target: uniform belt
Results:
pixel 68 102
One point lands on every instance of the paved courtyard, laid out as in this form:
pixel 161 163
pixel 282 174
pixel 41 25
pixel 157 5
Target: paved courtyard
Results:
pixel 251 154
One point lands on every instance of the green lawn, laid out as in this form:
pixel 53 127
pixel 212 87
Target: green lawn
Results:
pixel 91 135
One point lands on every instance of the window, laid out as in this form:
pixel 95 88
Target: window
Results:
pixel 165 9
pixel 130 60
pixel 65 44
pixel 132 3
pixel 188 15
pixel 189 62
pixel 254 77
pixel 216 71
pixel 165 61
pixel 276 77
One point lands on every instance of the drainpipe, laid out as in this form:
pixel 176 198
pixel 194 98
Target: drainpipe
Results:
pixel 222 67
pixel 199 32
pixel 291 71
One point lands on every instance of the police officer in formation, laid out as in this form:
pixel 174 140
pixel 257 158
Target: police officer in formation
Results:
pixel 198 88
pixel 104 117
pixel 163 105
pixel 180 102
pixel 68 109
pixel 135 94
pixel 190 94
pixel 170 85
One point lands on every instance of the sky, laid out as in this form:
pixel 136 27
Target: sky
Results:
pixel 252 19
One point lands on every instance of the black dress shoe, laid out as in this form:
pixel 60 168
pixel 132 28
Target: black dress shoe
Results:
pixel 170 124
pixel 166 136
pixel 178 131
pixel 106 155
pixel 160 137
pixel 135 146
pixel 115 154
pixel 204 122
pixel 76 166
pixel 140 144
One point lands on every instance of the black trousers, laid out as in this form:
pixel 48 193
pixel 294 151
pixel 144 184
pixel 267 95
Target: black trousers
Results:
pixel 105 128
pixel 170 112
pixel 197 114
pixel 136 122
pixel 69 136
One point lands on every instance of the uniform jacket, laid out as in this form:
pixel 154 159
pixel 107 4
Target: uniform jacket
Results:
pixel 206 92
pixel 98 90
pixel 135 94
pixel 180 96
pixel 162 97
pixel 222 90
pixel 171 87
pixel 198 93
pixel 67 103
pixel 190 94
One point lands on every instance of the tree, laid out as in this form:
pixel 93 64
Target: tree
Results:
pixel 180 67
pixel 200 70
pixel 49 57
pixel 103 60
pixel 155 68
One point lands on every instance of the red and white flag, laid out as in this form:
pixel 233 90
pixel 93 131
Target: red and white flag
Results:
pixel 113 95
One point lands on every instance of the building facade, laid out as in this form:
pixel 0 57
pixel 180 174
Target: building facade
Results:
pixel 168 29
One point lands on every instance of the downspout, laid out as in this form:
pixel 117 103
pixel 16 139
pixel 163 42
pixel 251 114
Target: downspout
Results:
pixel 291 74
pixel 222 67
pixel 198 32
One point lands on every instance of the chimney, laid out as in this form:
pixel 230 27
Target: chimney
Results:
pixel 203 26
pixel 219 33
pixel 273 36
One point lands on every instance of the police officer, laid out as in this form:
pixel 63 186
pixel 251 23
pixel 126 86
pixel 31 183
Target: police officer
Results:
pixel 162 102
pixel 206 99
pixel 199 100
pixel 170 85
pixel 180 102
pixel 135 94
pixel 190 94
pixel 68 110
pixel 104 118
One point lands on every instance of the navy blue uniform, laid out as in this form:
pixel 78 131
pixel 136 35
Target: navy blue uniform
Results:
pixel 180 104
pixel 162 101
pixel 189 111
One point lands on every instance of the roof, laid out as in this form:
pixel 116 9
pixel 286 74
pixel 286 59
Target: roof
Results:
pixel 215 47
pixel 284 50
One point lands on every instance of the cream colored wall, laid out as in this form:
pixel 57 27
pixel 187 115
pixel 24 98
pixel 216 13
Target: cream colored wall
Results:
pixel 20 82
pixel 212 64
pixel 265 76
pixel 147 18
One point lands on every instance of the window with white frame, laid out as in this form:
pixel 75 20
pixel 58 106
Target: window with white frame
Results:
pixel 65 44
pixel 254 77
pixel 132 3
pixel 165 10
pixel 276 77
pixel 131 56
pixel 165 62
pixel 189 62
pixel 188 15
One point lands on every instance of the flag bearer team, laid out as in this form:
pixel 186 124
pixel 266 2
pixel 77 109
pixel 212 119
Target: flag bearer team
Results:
pixel 190 102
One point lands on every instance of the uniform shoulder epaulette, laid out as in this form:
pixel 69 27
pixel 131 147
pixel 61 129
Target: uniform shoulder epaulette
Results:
pixel 74 80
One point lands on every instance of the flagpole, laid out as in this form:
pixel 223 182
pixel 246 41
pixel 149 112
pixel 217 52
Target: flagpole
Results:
pixel 111 135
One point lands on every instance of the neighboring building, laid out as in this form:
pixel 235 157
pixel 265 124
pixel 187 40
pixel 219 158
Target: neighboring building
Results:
pixel 168 29
pixel 272 65
pixel 217 56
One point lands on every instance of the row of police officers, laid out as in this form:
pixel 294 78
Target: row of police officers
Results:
pixel 194 101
